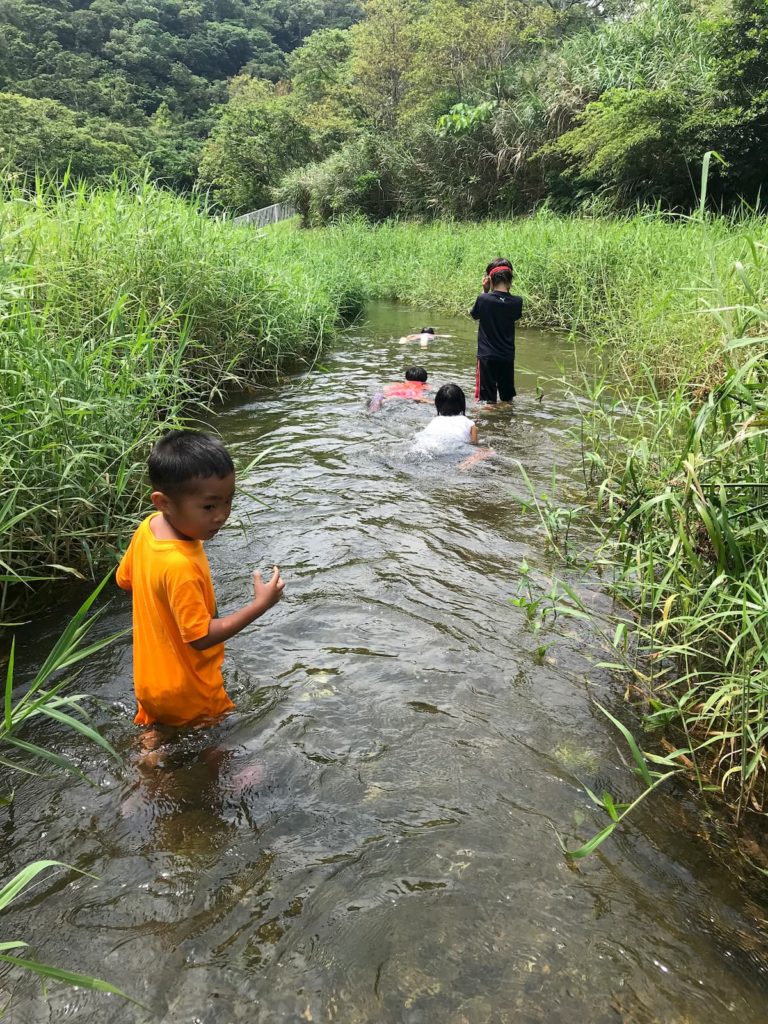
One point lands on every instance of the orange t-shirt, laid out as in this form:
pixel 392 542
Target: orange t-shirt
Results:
pixel 173 604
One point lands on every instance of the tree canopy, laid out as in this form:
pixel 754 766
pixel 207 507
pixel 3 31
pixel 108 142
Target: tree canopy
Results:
pixel 463 108
pixel 159 66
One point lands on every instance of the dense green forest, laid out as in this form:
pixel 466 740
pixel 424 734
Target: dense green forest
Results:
pixel 459 108
pixel 471 109
pixel 102 85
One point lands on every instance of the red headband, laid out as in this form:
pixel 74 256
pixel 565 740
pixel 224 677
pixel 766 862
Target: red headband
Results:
pixel 497 270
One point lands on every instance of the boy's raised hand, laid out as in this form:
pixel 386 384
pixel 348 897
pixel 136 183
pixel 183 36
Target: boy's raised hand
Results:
pixel 265 595
pixel 268 594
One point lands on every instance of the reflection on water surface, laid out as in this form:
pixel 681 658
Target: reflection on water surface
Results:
pixel 371 837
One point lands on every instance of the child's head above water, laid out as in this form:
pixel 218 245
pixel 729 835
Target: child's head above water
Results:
pixel 427 330
pixel 499 272
pixel 416 373
pixel 193 483
pixel 450 401
pixel 182 457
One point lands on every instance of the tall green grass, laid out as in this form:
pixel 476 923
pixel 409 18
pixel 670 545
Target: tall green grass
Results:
pixel 47 696
pixel 121 310
pixel 639 284
pixel 682 483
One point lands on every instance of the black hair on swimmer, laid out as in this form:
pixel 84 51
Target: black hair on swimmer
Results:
pixel 450 401
pixel 184 455
pixel 501 276
pixel 427 330
pixel 417 373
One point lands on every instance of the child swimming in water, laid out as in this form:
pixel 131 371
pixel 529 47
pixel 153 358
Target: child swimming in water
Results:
pixel 451 429
pixel 414 387
pixel 425 335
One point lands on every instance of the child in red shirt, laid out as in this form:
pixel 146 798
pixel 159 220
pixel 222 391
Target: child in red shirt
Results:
pixel 414 387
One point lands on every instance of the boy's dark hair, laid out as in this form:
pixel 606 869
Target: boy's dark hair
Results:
pixel 183 455
pixel 416 373
pixel 427 330
pixel 501 276
pixel 450 401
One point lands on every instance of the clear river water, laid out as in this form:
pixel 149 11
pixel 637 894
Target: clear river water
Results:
pixel 372 837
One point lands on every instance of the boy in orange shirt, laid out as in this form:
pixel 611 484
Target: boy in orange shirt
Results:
pixel 178 636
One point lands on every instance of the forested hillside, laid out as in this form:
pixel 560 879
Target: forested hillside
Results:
pixel 137 77
pixel 463 108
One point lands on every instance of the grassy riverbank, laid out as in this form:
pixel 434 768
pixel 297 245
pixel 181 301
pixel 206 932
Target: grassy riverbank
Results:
pixel 679 480
pixel 123 306
pixel 656 289
pixel 120 309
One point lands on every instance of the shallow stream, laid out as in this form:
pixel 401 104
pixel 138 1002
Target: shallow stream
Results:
pixel 372 837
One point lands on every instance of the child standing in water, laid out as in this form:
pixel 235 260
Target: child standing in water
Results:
pixel 178 635
pixel 497 311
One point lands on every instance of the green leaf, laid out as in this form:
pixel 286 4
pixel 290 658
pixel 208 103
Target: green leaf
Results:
pixel 85 652
pixel 68 977
pixel 642 765
pixel 592 796
pixel 17 767
pixel 81 727
pixel 592 844
pixel 65 647
pixel 26 876
pixel 9 686
pixel 46 755
pixel 610 806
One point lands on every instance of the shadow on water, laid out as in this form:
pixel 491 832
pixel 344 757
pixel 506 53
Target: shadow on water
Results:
pixel 370 838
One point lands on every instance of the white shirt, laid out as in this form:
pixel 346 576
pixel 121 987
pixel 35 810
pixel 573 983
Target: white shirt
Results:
pixel 444 433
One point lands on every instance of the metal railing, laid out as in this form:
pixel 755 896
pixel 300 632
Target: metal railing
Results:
pixel 267 215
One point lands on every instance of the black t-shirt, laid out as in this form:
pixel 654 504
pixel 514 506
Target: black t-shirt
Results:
pixel 497 312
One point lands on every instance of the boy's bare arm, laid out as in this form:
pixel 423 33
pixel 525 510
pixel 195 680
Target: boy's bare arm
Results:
pixel 265 595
